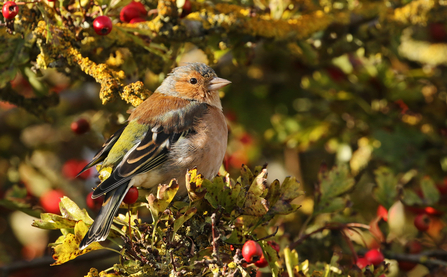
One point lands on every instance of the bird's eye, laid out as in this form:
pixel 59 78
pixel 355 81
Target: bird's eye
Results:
pixel 193 81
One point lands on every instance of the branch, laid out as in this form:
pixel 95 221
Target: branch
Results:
pixel 36 106
pixel 424 258
pixel 331 226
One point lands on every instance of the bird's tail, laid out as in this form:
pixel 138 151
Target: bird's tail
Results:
pixel 101 226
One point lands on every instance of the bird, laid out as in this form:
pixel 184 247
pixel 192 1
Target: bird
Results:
pixel 180 126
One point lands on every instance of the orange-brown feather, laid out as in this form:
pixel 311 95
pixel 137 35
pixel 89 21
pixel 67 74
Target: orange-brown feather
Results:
pixel 155 106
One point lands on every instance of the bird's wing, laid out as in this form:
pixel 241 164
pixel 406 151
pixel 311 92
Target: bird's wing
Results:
pixel 104 151
pixel 151 150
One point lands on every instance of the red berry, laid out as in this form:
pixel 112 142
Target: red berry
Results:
pixel 102 25
pixel 186 9
pixel 362 263
pixel 406 266
pixel 131 196
pixel 374 256
pixel 422 222
pixel 437 32
pixel 50 201
pixel 432 211
pixel 382 212
pixel 413 247
pixel 262 262
pixel 94 204
pixel 336 74
pixel 251 251
pixel 133 10
pixel 274 245
pixel 246 139
pixel 80 126
pixel 86 174
pixel 72 167
pixel 136 20
pixel 10 10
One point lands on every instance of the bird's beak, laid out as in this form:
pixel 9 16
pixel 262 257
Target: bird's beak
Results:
pixel 217 83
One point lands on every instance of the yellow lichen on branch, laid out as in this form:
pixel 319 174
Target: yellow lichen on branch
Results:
pixel 109 79
pixel 242 20
pixel 415 12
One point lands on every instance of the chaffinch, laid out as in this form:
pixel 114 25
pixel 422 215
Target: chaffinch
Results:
pixel 179 127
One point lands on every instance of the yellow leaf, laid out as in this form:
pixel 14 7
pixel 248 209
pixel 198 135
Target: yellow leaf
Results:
pixel 165 195
pixel 69 249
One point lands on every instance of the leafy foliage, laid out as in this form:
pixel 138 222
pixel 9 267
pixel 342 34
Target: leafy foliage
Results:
pixel 359 85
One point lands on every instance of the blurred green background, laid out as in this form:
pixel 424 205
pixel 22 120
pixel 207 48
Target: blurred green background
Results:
pixel 369 93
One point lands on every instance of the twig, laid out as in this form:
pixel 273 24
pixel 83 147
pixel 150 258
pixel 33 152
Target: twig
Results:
pixel 173 261
pixel 45 261
pixel 334 226
pixel 215 238
pixel 269 236
pixel 424 258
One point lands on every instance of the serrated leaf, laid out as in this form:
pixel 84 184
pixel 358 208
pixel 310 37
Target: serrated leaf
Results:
pixel 430 192
pixel 332 185
pixel 194 185
pixel 330 205
pixel 386 191
pixel 411 198
pixel 69 249
pixel 221 193
pixel 271 256
pixel 289 191
pixel 255 204
pixel 165 195
pixel 336 182
pixel 246 177
pixel 183 218
pixel 70 210
pixel 19 205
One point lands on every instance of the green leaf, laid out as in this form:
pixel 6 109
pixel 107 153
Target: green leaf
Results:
pixel 411 198
pixel 255 204
pixel 271 256
pixel 386 190
pixel 291 260
pixel 183 218
pixel 430 192
pixel 332 185
pixel 223 193
pixel 15 200
pixel 337 182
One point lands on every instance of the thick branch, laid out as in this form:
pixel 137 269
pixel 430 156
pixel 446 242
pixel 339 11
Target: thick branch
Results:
pixel 36 106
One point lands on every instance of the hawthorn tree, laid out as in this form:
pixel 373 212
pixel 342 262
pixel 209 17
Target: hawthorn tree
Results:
pixel 347 96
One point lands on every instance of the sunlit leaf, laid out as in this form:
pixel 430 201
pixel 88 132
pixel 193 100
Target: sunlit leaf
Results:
pixel 165 195
pixel 69 248
pixel 70 210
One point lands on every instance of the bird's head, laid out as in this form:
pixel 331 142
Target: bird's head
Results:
pixel 194 81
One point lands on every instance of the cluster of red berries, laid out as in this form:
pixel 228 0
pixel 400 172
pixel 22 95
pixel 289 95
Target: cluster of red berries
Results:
pixel 373 256
pixel 252 252
pixel 102 25
pixel 132 13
